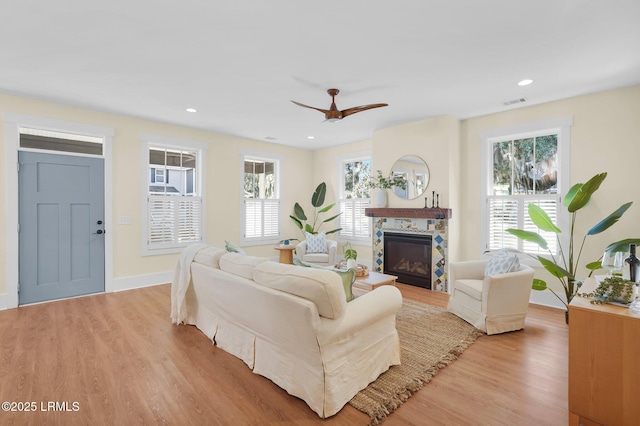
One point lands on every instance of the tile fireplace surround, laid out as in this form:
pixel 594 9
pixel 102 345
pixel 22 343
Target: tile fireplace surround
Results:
pixel 414 221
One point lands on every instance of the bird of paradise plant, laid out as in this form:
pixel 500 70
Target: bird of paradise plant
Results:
pixel 564 265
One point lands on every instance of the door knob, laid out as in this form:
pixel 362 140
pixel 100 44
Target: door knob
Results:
pixel 99 231
pixel 99 222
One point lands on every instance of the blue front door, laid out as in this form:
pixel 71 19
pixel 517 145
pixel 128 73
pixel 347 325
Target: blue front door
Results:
pixel 61 214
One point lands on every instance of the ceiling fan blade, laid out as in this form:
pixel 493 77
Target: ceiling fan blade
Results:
pixel 361 108
pixel 307 106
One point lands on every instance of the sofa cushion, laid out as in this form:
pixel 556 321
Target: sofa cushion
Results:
pixel 240 264
pixel 469 287
pixel 501 263
pixel 321 286
pixel 210 256
pixel 232 248
pixel 348 277
pixel 316 243
pixel 316 257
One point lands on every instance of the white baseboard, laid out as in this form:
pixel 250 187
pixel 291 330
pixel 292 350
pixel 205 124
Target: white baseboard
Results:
pixel 3 301
pixel 546 298
pixel 140 281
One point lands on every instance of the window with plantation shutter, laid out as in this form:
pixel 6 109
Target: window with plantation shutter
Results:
pixel 174 205
pixel 174 221
pixel 260 203
pixel 528 167
pixel 355 172
pixel 352 220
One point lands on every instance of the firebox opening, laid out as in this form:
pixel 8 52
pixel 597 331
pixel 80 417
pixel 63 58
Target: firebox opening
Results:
pixel 408 257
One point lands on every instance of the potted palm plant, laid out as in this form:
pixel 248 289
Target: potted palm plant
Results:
pixel 564 265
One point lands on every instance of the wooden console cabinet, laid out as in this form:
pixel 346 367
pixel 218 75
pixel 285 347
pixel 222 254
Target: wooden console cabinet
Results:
pixel 604 364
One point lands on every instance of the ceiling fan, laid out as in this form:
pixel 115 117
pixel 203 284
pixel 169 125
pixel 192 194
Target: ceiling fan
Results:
pixel 333 113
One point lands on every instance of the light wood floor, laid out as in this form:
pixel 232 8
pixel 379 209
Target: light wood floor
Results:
pixel 119 357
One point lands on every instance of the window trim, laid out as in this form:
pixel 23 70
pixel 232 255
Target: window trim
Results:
pixel 341 160
pixel 562 127
pixel 148 141
pixel 247 154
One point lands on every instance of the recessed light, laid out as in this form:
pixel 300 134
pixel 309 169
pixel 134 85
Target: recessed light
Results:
pixel 192 110
pixel 525 82
pixel 311 137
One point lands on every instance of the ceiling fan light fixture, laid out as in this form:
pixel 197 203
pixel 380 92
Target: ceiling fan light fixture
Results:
pixel 333 114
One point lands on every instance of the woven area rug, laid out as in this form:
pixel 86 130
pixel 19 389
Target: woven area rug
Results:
pixel 430 339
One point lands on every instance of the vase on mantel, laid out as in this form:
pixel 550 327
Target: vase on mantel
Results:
pixel 381 198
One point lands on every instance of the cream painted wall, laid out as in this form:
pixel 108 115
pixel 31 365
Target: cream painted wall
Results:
pixel 222 182
pixel 605 137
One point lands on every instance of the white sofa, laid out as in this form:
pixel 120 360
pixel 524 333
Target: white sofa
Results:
pixel 289 323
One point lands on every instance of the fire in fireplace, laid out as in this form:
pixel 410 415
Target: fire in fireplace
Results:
pixel 408 256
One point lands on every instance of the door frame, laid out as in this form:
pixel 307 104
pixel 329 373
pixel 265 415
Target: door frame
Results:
pixel 13 122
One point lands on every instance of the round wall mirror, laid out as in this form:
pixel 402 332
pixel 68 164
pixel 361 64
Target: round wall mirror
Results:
pixel 415 172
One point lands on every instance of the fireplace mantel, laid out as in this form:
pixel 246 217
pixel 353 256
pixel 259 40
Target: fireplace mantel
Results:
pixel 415 213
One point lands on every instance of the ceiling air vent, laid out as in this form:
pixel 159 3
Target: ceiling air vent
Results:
pixel 515 101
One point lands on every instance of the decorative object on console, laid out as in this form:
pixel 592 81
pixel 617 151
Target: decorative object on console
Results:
pixel 578 197
pixel 317 200
pixel 333 113
pixel 613 290
pixel 633 262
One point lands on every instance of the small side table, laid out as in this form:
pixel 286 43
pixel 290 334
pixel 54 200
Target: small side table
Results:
pixel 286 254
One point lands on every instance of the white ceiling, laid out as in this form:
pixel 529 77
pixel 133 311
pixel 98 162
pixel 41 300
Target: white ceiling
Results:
pixel 240 63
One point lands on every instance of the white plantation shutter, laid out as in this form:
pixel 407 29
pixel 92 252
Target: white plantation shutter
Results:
pixel 503 214
pixel 506 212
pixel 173 221
pixel 262 218
pixel 353 222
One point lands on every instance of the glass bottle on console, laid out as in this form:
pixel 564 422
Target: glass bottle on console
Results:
pixel 634 263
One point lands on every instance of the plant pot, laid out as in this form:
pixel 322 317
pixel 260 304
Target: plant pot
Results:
pixel 351 264
pixel 381 198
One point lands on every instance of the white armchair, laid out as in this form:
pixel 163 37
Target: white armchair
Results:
pixel 325 259
pixel 494 303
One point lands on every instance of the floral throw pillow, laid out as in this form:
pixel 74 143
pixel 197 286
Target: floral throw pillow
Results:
pixel 316 243
pixel 501 263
